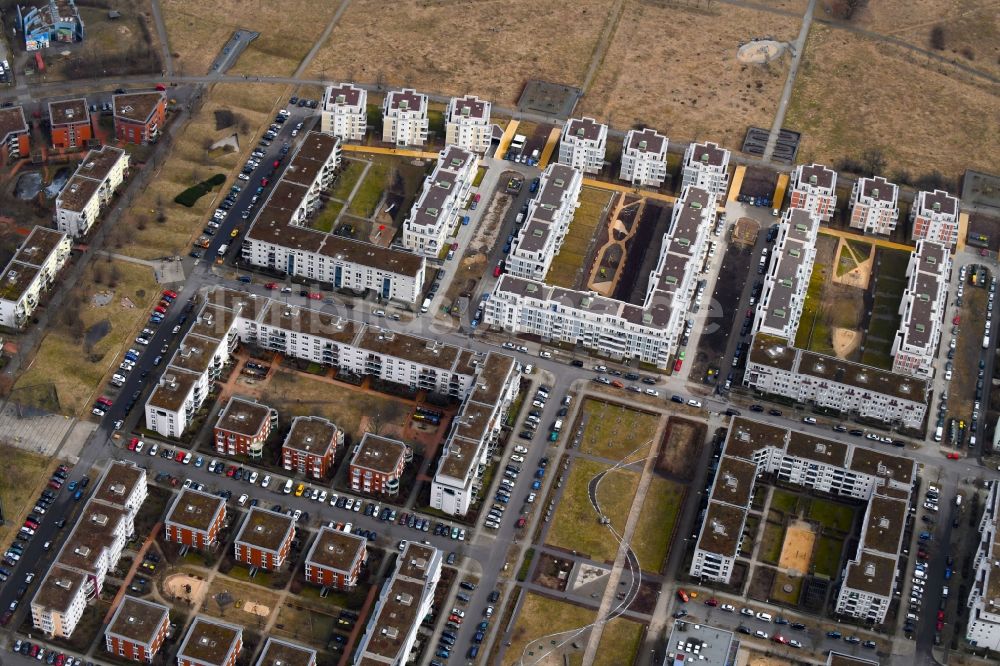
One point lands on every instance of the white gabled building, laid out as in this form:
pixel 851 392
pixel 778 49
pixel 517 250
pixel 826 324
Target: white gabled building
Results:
pixel 90 190
pixel 435 213
pixel 935 218
pixel 30 272
pixel 922 310
pixel 874 208
pixel 467 124
pixel 549 215
pixel 983 629
pixel 644 158
pixel 582 145
pixel 814 189
pixel 344 112
pixel 404 118
pixel 706 166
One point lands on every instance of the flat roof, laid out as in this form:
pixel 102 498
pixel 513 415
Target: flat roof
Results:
pixel 647 140
pixel 174 388
pixel 584 128
pixel 817 449
pixel 493 375
pixel 91 536
pixel 424 351
pixel 311 434
pixel 283 653
pixel 12 122
pixel 884 465
pixel 734 481
pixel 926 200
pixel 702 643
pixel 379 454
pixel 459 458
pixel 98 163
pixel 395 618
pixel 746 437
pixel 772 351
pixel 839 659
pixel 264 529
pixel 312 155
pixel 708 153
pixel 408 98
pixel 344 94
pixel 39 244
pixel 137 107
pixel 119 482
pixel 309 322
pixel 58 589
pixel 886 521
pixel 77 193
pixel 722 529
pixel 195 353
pixel 879 189
pixel 69 112
pixel 336 550
pixel 872 573
pixel 210 641
pixel 195 509
pixel 245 304
pixel 469 106
pixel 213 322
pixel 244 417
pixel 137 620
pixel 824 176
pixel 863 377
pixel 16 279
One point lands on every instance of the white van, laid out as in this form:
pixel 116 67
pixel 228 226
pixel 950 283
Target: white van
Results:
pixel 287 490
pixel 764 617
pixel 425 306
pixel 557 426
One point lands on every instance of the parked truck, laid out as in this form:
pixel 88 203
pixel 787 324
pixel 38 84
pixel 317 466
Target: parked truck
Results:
pixel 425 306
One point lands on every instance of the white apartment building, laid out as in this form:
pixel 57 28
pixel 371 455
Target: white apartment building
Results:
pixel 787 278
pixel 435 213
pixel 983 629
pixel 467 124
pixel 935 218
pixel 279 241
pixel 404 118
pixel 882 480
pixel 90 190
pixel 874 207
pixel 228 317
pixel 404 600
pixel 616 329
pixel 59 602
pixel 548 218
pixel 922 310
pixel 474 434
pixel 644 158
pixel 706 166
pixel 814 189
pixel 344 112
pixel 31 271
pixel 582 145
pixel 774 366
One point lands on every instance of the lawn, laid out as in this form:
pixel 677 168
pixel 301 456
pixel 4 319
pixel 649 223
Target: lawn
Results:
pixel 771 543
pixel 327 217
pixel 614 431
pixel 306 625
pixel 832 515
pixel 575 525
pixel 370 192
pixel 73 356
pixel 826 556
pixel 541 616
pixel 567 267
pixel 813 332
pixel 350 172
pixel 619 643
pixel 299 395
pixel 660 507
pixel 889 287
pixel 784 501
pixel 779 594
pixel 24 477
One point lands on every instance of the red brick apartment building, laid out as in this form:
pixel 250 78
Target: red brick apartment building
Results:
pixel 242 428
pixel 210 642
pixel 69 121
pixel 15 134
pixel 377 465
pixel 335 559
pixel 195 519
pixel 283 653
pixel 137 629
pixel 264 539
pixel 139 117
pixel 311 446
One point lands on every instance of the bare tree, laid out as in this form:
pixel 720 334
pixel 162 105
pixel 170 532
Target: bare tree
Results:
pixel 873 160
pixel 938 40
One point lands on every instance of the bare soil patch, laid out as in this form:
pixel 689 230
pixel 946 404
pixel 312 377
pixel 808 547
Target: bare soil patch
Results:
pixel 796 552
pixel 681 448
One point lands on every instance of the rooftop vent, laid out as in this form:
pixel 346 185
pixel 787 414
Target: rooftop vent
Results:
pixel 704 158
pixel 99 519
pixel 883 523
pixel 813 179
pixel 696 205
pixel 870 569
pixel 718 528
pixel 341 99
pixel 875 192
pixel 936 206
pixel 64 583
pixel 642 145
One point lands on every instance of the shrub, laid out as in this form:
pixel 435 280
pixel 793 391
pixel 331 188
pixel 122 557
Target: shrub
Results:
pixel 190 196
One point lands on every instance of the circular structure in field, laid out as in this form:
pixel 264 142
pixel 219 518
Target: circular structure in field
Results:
pixel 760 51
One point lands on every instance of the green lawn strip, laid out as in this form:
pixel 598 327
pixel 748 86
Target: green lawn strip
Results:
pixel 540 616
pixel 784 501
pixel 771 543
pixel 651 539
pixel 613 431
pixel 347 179
pixel 811 329
pixel 575 525
pixel 619 643
pixel 327 217
pixel 826 556
pixel 778 592
pixel 832 515
pixel 370 192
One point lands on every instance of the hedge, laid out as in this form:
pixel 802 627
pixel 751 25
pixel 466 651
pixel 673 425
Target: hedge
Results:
pixel 190 196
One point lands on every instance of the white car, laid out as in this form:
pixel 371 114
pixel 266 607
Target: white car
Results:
pixel 333 499
pixel 516 458
pixel 652 392
pixel 153 449
pixel 694 403
pixel 187 458
pixel 349 505
pixel 243 499
pixel 253 478
pixel 520 449
pixel 322 497
pixel 138 446
pixel 266 481
pixel 296 515
pixel 729 608
pixel 545 354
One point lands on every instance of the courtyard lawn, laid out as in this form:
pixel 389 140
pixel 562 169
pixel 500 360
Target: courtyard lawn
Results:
pixel 660 507
pixel 813 332
pixel 613 431
pixel 575 525
pixel 567 266
pixel 539 617
pixel 619 643
pixel 771 543
pixel 327 217
pixel 891 282
pixel 370 193
pixel 347 179
pixel 832 515
pixel 778 592
pixel 826 556
pixel 784 501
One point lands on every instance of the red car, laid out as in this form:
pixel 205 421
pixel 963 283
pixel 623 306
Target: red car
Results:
pixel 712 602
pixel 778 638
pixel 5 618
pixel 521 522
pixel 133 443
pixel 497 271
pixel 60 660
pixel 276 163
pixel 677 365
pixel 105 401
pixel 160 309
pixel 315 295
pixel 179 457
pixel 271 285
pixel 957 320
pixel 30 524
pixel 941 615
pixel 454 618
pixel 169 294
pixel 682 595
pixel 231 471
pixel 953 456
pixel 263 182
pixel 160 87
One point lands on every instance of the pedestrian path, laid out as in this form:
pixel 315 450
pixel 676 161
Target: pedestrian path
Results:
pixel 881 242
pixel 628 189
pixel 379 150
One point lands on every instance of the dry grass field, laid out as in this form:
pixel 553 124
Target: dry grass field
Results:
pixel 198 31
pixel 675 69
pixel 500 45
pixel 24 475
pixel 189 162
pixel 945 131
